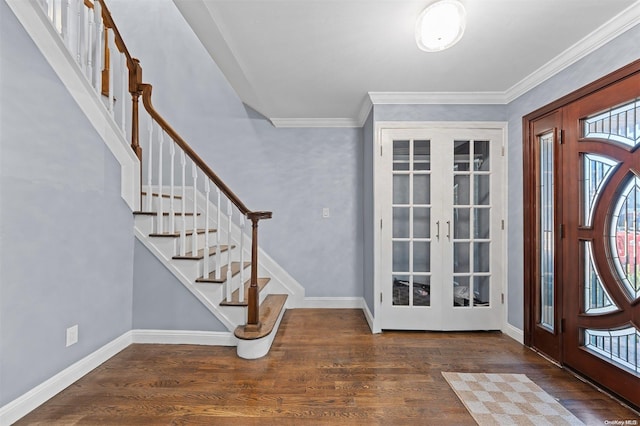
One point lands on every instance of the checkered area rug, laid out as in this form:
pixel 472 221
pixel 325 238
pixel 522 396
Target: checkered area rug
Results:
pixel 508 399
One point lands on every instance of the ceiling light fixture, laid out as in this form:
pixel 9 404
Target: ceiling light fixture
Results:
pixel 440 25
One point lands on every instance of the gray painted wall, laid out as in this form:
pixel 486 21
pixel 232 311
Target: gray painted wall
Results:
pixel 440 113
pixel 66 236
pixel 160 302
pixel 615 54
pixel 292 172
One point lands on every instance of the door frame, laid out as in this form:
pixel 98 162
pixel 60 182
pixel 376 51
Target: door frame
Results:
pixel 529 150
pixel 377 215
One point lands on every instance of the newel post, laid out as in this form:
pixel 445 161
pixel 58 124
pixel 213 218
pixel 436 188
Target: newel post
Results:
pixel 135 88
pixel 135 82
pixel 253 299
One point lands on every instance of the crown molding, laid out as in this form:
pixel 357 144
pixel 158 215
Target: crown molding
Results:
pixel 427 98
pixel 624 21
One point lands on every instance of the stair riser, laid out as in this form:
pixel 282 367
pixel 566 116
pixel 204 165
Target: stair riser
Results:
pixel 166 204
pixel 197 266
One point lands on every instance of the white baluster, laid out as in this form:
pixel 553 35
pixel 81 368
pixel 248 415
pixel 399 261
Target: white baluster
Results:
pixel 183 232
pixel 112 50
pixel 123 94
pixel 172 209
pixel 242 278
pixel 194 176
pixel 77 42
pixel 86 40
pixel 98 48
pixel 65 25
pixel 150 166
pixel 51 11
pixel 90 30
pixel 160 226
pixel 219 231
pixel 229 274
pixel 205 262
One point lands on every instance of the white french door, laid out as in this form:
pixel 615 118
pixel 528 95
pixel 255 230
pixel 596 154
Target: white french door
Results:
pixel 439 196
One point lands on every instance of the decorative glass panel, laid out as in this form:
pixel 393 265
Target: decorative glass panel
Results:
pixel 596 297
pixel 596 171
pixel 625 237
pixel 620 347
pixel 621 124
pixel 547 239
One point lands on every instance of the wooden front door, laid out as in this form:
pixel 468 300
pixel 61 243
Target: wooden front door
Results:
pixel 583 249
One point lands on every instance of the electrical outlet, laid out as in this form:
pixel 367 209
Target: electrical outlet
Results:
pixel 72 335
pixel 325 212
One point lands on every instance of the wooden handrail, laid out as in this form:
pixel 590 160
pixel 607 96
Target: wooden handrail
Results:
pixel 137 88
pixel 146 100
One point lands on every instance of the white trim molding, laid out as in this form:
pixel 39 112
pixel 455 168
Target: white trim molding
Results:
pixel 184 337
pixel 514 332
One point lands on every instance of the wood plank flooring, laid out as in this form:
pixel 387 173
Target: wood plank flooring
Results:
pixel 325 367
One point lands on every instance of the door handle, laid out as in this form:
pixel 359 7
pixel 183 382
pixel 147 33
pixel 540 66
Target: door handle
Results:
pixel 437 230
pixel 449 230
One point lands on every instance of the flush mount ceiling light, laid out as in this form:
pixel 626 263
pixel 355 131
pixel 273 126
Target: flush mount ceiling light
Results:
pixel 440 25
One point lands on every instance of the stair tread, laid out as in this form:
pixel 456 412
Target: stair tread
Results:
pixel 269 312
pixel 155 194
pixel 200 254
pixel 145 213
pixel 177 234
pixel 262 282
pixel 235 269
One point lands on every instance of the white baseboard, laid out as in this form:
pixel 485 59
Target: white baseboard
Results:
pixel 31 400
pixel 369 317
pixel 333 302
pixel 514 332
pixel 184 337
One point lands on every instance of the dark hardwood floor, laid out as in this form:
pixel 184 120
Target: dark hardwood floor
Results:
pixel 325 367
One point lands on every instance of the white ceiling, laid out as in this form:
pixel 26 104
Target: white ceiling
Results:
pixel 305 60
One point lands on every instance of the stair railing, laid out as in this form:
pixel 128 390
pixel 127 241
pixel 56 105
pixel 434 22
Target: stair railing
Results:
pixel 92 38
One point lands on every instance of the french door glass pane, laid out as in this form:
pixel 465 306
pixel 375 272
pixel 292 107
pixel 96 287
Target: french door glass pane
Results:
pixel 401 256
pixel 481 223
pixel 400 155
pixel 400 222
pixel 400 189
pixel 421 189
pixel 421 256
pixel 422 155
pixel 547 253
pixel 462 155
pixel 421 222
pixel 461 223
pixel 401 286
pixel 481 156
pixel 461 190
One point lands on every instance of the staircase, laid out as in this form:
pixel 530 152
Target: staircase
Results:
pixel 185 214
